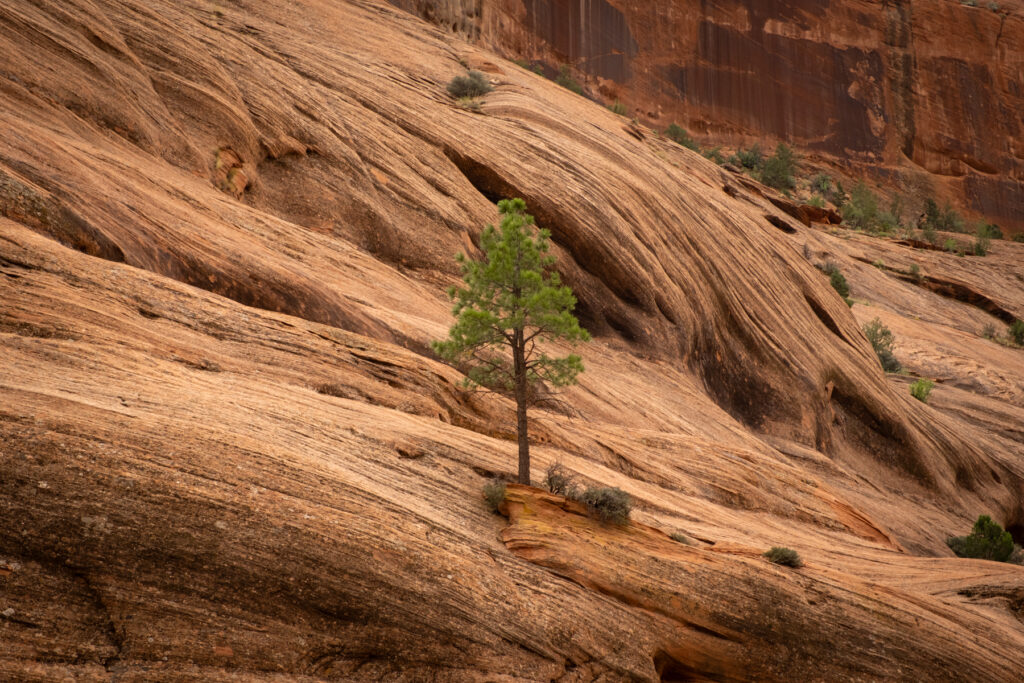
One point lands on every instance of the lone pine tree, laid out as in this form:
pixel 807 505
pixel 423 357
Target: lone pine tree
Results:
pixel 511 301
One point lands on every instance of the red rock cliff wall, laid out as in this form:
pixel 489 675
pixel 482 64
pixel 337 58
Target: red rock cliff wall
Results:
pixel 923 96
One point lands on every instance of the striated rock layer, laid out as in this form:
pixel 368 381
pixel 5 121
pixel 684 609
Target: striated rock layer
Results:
pixel 923 96
pixel 226 452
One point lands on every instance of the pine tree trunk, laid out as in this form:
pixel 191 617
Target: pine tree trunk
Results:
pixel 519 363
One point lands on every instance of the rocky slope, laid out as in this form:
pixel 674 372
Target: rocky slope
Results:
pixel 228 454
pixel 921 97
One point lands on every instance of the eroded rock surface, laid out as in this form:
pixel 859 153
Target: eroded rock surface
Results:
pixel 228 453
pixel 923 97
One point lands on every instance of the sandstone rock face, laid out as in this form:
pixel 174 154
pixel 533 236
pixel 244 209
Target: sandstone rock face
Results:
pixel 921 96
pixel 228 454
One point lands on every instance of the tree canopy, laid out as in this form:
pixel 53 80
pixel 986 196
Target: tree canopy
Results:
pixel 513 298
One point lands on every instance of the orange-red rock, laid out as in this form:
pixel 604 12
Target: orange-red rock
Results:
pixel 921 97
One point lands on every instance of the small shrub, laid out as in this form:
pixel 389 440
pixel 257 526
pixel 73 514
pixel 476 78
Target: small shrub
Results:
pixel 893 218
pixel 929 235
pixel 1019 237
pixel 535 68
pixel 839 196
pixel 566 80
pixel 750 159
pixel 915 272
pixel 931 213
pixel 838 282
pixel 678 135
pixel 470 103
pixel 987 541
pixel 822 184
pixel 784 556
pixel 680 537
pixel 949 245
pixel 982 241
pixel 617 108
pixel 920 389
pixel 817 201
pixel 335 390
pixel 992 230
pixel 494 494
pixel 715 155
pixel 473 84
pixel 946 218
pixel 559 480
pixel 880 264
pixel 608 504
pixel 1016 332
pixel 779 169
pixel 882 341
pixel 989 331
pixel 861 211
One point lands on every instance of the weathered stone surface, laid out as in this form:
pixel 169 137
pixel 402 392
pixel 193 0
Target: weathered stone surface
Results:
pixel 923 92
pixel 229 455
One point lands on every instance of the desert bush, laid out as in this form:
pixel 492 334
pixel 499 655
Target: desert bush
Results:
pixel 678 135
pixel 946 218
pixel 982 241
pixel 715 155
pixel 992 230
pixel 929 235
pixel 839 196
pixel 559 480
pixel 893 217
pixel 822 184
pixel 838 280
pixel 779 169
pixel 535 68
pixel 473 84
pixel 1019 237
pixel 617 107
pixel 882 342
pixel 494 494
pixel 989 331
pixel 920 389
pixel 817 201
pixel 987 541
pixel 608 504
pixel 1016 332
pixel 335 390
pixel 750 159
pixel 566 80
pixel 880 264
pixel 862 210
pixel 470 103
pixel 949 245
pixel 784 556
pixel 915 272
pixel 680 537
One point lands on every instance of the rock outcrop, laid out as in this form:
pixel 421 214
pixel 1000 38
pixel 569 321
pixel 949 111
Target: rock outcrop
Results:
pixel 922 97
pixel 228 454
